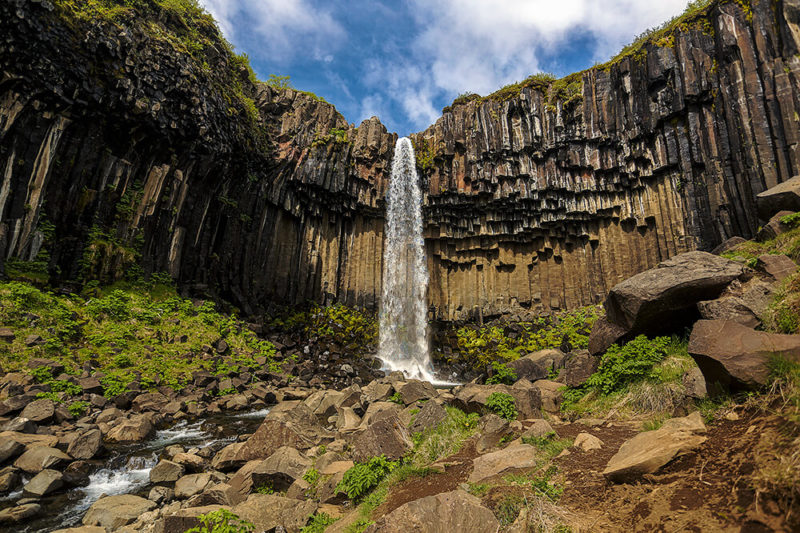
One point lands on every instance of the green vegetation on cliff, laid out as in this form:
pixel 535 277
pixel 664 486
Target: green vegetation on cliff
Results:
pixel 129 332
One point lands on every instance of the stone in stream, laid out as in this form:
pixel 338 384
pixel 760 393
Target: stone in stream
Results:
pixel 188 486
pixel 113 512
pixel 134 429
pixel 166 472
pixel 296 427
pixel 38 458
pixel 19 513
pixel 43 483
pixel 9 479
pixel 86 444
pixel 454 511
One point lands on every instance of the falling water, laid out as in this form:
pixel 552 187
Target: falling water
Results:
pixel 403 325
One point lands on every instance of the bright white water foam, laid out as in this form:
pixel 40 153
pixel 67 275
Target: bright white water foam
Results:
pixel 403 318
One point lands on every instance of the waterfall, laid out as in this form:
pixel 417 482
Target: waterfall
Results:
pixel 403 325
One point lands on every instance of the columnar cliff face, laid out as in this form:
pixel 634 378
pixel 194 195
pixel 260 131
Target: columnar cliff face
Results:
pixel 137 153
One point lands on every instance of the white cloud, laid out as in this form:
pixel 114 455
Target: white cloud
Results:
pixel 282 28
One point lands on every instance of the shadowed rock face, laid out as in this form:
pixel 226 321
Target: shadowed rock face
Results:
pixel 531 204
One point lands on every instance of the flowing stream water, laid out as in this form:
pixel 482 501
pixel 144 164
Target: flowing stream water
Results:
pixel 403 316
pixel 126 469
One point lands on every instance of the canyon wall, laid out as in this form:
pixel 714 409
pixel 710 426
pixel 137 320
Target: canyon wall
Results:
pixel 118 148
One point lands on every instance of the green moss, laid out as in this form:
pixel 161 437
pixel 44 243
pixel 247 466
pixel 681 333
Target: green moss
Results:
pixel 354 330
pixel 129 331
pixel 424 154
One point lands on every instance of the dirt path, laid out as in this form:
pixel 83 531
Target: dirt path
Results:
pixel 709 490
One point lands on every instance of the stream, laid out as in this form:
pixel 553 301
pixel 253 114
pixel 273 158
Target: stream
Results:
pixel 125 469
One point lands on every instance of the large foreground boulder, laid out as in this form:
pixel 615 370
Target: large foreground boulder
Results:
pixel 113 512
pixel 537 365
pixel 649 451
pixel 268 512
pixel 783 197
pixel 447 512
pixel 513 457
pixel 297 427
pixel 734 356
pixel 662 299
pixel 387 436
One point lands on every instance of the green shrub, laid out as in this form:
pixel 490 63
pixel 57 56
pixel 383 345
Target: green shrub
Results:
pixel 78 408
pixel 318 523
pixel 630 362
pixel 222 521
pixel 792 220
pixel 65 386
pixel 445 439
pixel 363 477
pixel 502 374
pixel 266 488
pixel 42 374
pixel 396 398
pixel 311 476
pixel 503 405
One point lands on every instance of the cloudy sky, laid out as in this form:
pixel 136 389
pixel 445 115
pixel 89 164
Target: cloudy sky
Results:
pixel 405 60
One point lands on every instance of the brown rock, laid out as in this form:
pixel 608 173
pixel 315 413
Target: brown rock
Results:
pixel 134 429
pixel 86 445
pixel 10 448
pixel 734 356
pixel 188 486
pixel 387 436
pixel 415 390
pixel 297 427
pixel 149 401
pixel 728 244
pixel 551 394
pixel 779 267
pixel 226 459
pixel 774 227
pixel 782 197
pixel 491 430
pixel 40 411
pixel 9 479
pixel 44 483
pixel 7 335
pixel 35 459
pixel 447 512
pixel 514 457
pixel 19 513
pixel 603 335
pixel 268 511
pixel 537 365
pixel 113 512
pixel 579 365
pixel 281 469
pixel 166 472
pixel 430 416
pixel 587 442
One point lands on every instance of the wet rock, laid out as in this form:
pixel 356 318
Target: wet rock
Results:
pixel 734 356
pixel 445 512
pixel 166 472
pixel 38 458
pixel 134 429
pixel 86 444
pixel 188 486
pixel 77 473
pixel 514 457
pixel 783 197
pixel 44 483
pixel 113 512
pixel 19 513
pixel 538 365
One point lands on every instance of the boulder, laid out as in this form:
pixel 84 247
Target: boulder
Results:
pixel 415 390
pixel 734 356
pixel 728 244
pixel 43 483
pixel 149 401
pixel 779 267
pixel 77 473
pixel 551 394
pixel 664 298
pixel 10 448
pixel 694 384
pixel 443 513
pixel 647 452
pixel 188 486
pixel 9 479
pixel 166 472
pixel 86 444
pixel 20 425
pixel 281 469
pixel 376 391
pixel 491 430
pixel 378 410
pixel 527 398
pixel 113 512
pixel 267 512
pixel 578 366
pixel 39 411
pixel 587 442
pixel 774 227
pixel 161 495
pixel 29 440
pixel 323 403
pixel 190 461
pixel 782 197
pixel 83 529
pixel 603 335
pixel 90 385
pixel 226 459
pixel 19 513
pixel 538 365
pixel 387 436
pixel 134 429
pixel 38 458
pixel 539 428
pixel 514 457
pixel 296 427
pixel 182 520
pixel 347 420
pixel 430 416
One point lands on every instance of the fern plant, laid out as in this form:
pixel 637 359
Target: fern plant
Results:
pixel 363 477
pixel 222 521
pixel 503 405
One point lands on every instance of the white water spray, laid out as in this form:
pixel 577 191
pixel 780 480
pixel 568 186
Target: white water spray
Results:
pixel 403 325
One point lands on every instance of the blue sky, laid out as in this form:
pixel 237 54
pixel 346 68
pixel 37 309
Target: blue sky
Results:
pixel 403 61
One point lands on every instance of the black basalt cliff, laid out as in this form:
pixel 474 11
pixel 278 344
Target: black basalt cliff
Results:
pixel 137 140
